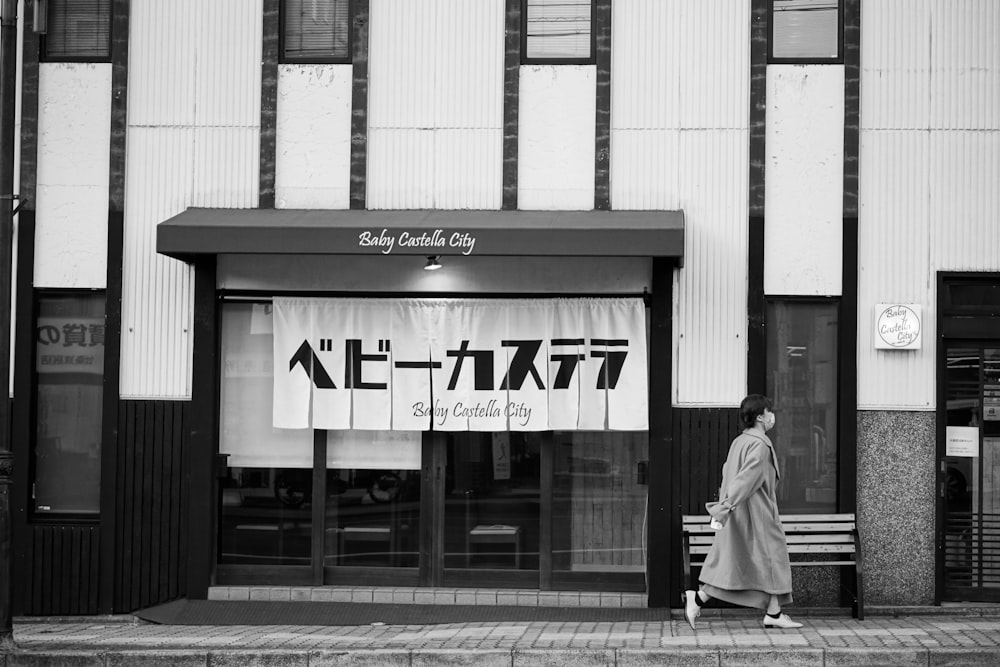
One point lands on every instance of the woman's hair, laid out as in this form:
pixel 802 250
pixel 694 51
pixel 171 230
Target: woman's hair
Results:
pixel 752 407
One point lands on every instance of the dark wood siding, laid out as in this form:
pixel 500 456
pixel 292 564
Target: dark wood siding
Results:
pixel 150 545
pixel 62 570
pixel 702 437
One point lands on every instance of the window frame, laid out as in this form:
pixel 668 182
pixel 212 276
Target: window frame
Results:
pixel 783 60
pixel 58 517
pixel 285 59
pixel 43 42
pixel 771 300
pixel 527 60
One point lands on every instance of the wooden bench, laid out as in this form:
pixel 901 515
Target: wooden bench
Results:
pixel 821 539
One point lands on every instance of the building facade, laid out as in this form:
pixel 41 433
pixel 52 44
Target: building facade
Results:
pixel 231 368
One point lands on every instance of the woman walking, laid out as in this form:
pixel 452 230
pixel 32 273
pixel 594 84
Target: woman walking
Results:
pixel 748 562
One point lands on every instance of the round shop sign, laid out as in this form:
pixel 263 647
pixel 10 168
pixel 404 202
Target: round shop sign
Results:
pixel 897 327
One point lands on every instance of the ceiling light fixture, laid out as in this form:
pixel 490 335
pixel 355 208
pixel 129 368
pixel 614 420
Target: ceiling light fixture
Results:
pixel 432 263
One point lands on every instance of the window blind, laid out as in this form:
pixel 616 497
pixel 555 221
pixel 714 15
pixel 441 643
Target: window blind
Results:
pixel 78 30
pixel 317 30
pixel 558 29
pixel 806 29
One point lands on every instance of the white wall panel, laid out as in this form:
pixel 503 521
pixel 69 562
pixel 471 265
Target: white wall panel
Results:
pixel 711 290
pixel 804 202
pixel 194 126
pixel 965 200
pixel 159 48
pixel 965 64
pixel 156 290
pixel 680 119
pixel 556 150
pixel 435 93
pixel 894 258
pixel 226 167
pixel 400 169
pixel 313 155
pixel 646 63
pixel 402 60
pixel 895 63
pixel 73 174
pixel 468 169
pixel 929 200
pixel 680 64
pixel 645 170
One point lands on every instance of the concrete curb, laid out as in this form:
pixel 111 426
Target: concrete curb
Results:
pixel 771 657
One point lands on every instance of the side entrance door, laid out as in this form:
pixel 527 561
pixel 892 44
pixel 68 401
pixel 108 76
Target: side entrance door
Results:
pixel 968 418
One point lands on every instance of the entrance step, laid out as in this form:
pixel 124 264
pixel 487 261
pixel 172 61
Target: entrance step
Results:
pixel 413 595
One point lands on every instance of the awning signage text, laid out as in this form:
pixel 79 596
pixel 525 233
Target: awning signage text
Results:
pixel 437 240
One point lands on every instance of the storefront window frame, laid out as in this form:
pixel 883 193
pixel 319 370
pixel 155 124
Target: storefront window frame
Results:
pixel 89 517
pixel 317 573
pixel 840 472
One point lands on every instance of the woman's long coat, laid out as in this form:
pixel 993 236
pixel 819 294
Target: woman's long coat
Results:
pixel 750 552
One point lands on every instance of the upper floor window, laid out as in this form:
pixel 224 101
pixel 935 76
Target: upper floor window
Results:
pixel 557 31
pixel 806 31
pixel 316 31
pixel 75 30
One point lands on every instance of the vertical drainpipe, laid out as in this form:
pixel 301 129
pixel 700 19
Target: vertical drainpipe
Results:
pixel 8 88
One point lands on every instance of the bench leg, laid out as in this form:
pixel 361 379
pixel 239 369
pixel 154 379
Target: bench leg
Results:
pixel 859 605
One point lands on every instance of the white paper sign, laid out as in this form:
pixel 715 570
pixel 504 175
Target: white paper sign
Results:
pixel 897 326
pixel 501 456
pixel 962 441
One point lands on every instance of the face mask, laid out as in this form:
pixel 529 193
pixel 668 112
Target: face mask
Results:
pixel 767 421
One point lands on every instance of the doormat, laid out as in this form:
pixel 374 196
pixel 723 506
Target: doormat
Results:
pixel 263 612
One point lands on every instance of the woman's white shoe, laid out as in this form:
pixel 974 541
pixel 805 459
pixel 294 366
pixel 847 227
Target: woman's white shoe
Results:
pixel 783 622
pixel 692 609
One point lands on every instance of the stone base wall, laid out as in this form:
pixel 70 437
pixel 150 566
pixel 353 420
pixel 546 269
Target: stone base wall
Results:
pixel 896 505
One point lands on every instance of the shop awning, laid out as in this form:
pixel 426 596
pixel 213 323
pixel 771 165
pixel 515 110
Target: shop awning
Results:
pixel 200 231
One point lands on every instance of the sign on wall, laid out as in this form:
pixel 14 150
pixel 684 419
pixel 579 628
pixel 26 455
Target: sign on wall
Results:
pixel 460 364
pixel 897 326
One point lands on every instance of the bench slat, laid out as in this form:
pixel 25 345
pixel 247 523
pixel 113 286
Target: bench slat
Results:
pixel 795 528
pixel 785 518
pixel 838 538
pixel 792 548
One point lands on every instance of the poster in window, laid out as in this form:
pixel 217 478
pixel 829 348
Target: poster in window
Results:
pixel 962 441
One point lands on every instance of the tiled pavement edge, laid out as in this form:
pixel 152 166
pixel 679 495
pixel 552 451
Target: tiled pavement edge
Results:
pixel 885 640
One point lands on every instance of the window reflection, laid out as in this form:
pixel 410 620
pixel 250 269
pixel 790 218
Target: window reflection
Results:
pixel 69 367
pixel 802 381
pixel 492 503
pixel 266 516
pixel 372 517
pixel 599 501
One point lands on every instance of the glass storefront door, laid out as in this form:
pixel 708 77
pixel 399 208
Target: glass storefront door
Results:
pixel 971 474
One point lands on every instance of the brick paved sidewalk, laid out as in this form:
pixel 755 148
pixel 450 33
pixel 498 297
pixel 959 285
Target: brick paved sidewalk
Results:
pixel 906 640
